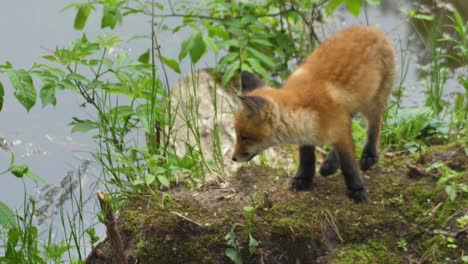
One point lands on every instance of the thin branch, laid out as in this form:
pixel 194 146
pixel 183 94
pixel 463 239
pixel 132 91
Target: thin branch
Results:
pixel 172 15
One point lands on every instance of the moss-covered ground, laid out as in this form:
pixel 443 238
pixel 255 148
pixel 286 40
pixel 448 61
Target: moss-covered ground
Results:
pixel 408 219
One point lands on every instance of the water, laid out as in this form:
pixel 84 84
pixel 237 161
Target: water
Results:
pixel 43 140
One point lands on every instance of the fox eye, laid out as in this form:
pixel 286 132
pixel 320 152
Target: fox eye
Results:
pixel 243 138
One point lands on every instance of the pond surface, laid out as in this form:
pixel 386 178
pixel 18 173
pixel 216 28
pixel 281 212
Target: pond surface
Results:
pixel 43 140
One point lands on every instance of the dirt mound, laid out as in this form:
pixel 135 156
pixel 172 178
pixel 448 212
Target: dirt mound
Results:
pixel 408 219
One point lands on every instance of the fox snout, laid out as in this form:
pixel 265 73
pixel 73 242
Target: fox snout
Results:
pixel 245 156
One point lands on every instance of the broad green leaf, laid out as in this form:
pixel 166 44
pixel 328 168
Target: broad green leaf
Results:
pixel 332 6
pixel 79 125
pixel 230 72
pixel 171 63
pixel 194 46
pixel 218 32
pixel 24 88
pixel 82 15
pixel 230 238
pixel 164 181
pixel 7 218
pixel 48 95
pixel 145 57
pixel 451 192
pixel 19 170
pixel 184 48
pixel 233 255
pixel 149 179
pixel 2 94
pixel 211 44
pixel 197 48
pixel 253 244
pixel 111 16
pixel 354 6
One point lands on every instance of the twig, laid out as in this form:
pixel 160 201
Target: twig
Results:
pixel 207 17
pixel 187 219
pixel 112 232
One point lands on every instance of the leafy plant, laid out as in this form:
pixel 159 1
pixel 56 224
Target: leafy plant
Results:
pixel 249 212
pixel 405 127
pixel 402 244
pixel 233 251
pixel 447 179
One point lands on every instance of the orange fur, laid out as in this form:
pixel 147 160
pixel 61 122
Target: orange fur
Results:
pixel 351 72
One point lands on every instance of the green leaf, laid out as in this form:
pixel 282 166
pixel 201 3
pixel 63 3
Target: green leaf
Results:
pixel 79 125
pixel 76 77
pixel 108 40
pixel 121 113
pixel 164 181
pixel 233 255
pixel 262 42
pixel 2 93
pixel 48 95
pixel 230 72
pixel 197 48
pixel 24 88
pixel 34 177
pixel 122 57
pixel 184 48
pixel 7 218
pixel 145 57
pixel 451 192
pixel 257 68
pixel 269 61
pixel 82 15
pixel 19 170
pixel 354 6
pixel 111 16
pixel 373 2
pixel 49 58
pixel 149 179
pixel 248 210
pixel 171 63
pixel 332 6
pixel 211 44
pixel 253 244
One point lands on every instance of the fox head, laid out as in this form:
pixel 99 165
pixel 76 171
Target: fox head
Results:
pixel 252 121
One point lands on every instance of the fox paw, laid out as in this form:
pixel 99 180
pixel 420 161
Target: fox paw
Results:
pixel 299 183
pixel 359 195
pixel 367 161
pixel 328 167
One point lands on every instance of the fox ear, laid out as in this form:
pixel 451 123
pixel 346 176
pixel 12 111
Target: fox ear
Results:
pixel 250 82
pixel 253 104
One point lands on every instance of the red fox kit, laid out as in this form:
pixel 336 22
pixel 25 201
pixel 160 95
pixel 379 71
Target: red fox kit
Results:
pixel 352 72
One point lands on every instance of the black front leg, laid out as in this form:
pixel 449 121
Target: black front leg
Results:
pixel 306 171
pixel 349 167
